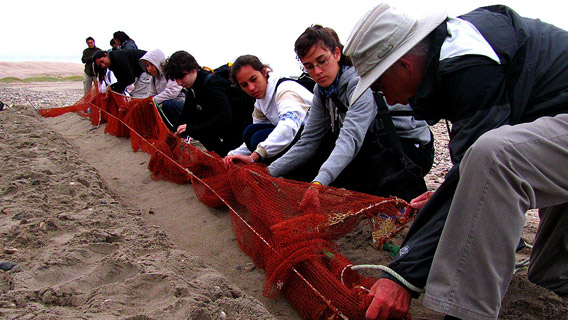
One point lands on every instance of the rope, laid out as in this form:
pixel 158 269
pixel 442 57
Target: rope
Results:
pixel 163 115
pixel 387 270
pixel 521 264
pixel 28 100
pixel 189 173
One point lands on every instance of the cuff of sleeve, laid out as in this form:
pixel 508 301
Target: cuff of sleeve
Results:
pixel 261 151
pixel 187 130
pixel 413 294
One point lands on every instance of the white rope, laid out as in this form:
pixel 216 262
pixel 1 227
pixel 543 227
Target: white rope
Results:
pixel 163 114
pixel 387 270
pixel 521 264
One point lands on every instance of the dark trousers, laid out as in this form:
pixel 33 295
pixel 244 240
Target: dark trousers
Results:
pixel 171 110
pixel 256 133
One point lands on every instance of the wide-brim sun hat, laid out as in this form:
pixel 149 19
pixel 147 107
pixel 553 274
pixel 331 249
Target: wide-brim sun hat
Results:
pixel 381 37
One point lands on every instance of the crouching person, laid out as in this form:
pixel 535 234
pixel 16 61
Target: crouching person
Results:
pixel 279 111
pixel 166 94
pixel 212 109
pixel 341 144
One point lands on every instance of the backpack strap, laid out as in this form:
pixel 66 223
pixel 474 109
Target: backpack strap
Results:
pixel 282 80
pixel 207 78
pixel 385 116
pixel 401 113
pixel 340 106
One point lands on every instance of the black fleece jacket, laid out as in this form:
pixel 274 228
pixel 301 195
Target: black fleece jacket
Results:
pixel 126 67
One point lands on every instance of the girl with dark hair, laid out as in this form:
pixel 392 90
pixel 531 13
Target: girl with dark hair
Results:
pixel 123 41
pixel 278 115
pixel 334 148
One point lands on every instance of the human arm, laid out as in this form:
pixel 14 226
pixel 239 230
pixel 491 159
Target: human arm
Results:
pixel 419 202
pixel 468 95
pixel 351 135
pixel 238 159
pixel 390 301
pixel 170 92
pixel 86 58
pixel 476 100
pixel 315 127
pixel 291 113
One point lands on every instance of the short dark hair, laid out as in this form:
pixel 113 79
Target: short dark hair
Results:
pixel 179 64
pixel 246 60
pixel 121 36
pixel 325 37
pixel 89 38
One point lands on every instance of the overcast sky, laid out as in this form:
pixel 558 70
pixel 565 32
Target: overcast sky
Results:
pixel 215 32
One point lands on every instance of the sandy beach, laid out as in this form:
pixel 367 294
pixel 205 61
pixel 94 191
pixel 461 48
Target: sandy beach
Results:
pixel 91 236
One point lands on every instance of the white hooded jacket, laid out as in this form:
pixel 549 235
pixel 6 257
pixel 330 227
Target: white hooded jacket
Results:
pixel 161 88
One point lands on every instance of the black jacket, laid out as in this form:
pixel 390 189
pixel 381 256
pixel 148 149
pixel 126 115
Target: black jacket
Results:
pixel 126 67
pixel 211 113
pixel 87 59
pixel 476 94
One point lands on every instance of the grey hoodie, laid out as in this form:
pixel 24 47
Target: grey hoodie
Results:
pixel 161 88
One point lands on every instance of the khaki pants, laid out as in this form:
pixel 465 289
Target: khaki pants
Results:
pixel 87 82
pixel 506 172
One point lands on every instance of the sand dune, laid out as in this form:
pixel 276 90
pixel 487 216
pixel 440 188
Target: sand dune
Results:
pixel 33 69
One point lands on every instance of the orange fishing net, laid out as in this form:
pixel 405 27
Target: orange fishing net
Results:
pixel 294 243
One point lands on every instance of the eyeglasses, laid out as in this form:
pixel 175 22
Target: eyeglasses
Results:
pixel 320 63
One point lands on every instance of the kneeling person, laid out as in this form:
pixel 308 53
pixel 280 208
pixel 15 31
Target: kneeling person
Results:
pixel 212 112
pixel 336 145
pixel 166 94
pixel 279 111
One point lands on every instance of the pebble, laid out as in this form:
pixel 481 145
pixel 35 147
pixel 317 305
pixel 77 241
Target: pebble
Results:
pixel 7 265
pixel 10 250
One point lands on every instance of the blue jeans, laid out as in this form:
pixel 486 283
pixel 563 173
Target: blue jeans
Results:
pixel 255 134
pixel 171 111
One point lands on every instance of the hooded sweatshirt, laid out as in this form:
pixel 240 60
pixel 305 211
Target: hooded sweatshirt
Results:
pixel 284 106
pixel 161 88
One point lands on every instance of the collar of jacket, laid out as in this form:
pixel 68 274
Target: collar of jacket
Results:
pixel 425 102
pixel 199 79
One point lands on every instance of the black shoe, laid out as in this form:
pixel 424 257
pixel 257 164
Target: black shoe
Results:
pixel 448 317
pixel 521 245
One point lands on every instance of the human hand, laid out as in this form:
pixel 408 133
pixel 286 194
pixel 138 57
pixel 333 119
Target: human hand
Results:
pixel 390 301
pixel 181 129
pixel 311 197
pixel 419 202
pixel 236 159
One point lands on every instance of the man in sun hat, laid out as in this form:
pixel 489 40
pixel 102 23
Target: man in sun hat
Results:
pixel 502 81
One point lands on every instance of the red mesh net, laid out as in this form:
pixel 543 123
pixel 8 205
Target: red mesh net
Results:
pixel 293 242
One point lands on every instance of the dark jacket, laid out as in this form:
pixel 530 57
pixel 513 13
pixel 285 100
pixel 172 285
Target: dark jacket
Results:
pixel 208 114
pixel 476 94
pixel 125 65
pixel 87 59
pixel 128 45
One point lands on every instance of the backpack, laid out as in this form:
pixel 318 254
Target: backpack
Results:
pixel 224 71
pixel 304 79
pixel 242 104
